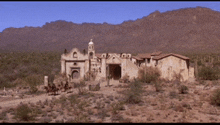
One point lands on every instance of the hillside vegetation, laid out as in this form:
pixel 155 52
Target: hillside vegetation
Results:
pixel 18 68
pixel 192 30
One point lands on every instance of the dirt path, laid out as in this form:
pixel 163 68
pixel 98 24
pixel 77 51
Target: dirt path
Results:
pixel 12 103
pixel 33 99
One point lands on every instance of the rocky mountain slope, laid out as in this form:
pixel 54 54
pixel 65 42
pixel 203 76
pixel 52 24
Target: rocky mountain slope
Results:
pixel 188 30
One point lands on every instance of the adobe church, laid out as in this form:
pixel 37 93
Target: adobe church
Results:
pixel 76 64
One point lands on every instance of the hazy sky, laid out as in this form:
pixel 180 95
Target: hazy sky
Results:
pixel 20 14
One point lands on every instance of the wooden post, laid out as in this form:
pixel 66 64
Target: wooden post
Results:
pixel 196 69
pixel 45 80
pixel 108 76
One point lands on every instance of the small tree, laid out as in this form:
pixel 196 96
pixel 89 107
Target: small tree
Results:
pixel 183 89
pixel 208 73
pixel 149 74
pixel 33 81
pixel 23 112
pixel 215 99
pixel 133 95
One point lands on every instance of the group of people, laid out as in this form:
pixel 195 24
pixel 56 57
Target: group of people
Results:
pixel 52 87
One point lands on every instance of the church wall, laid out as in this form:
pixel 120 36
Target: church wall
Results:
pixel 171 65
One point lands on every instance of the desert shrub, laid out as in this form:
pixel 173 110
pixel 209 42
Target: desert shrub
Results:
pixel 215 99
pixel 90 75
pixel 24 112
pixel 3 115
pixel 148 74
pixel 117 106
pixel 133 94
pixel 81 88
pixel 173 94
pixel 33 81
pixel 208 73
pixel 183 89
pixel 124 79
pixel 73 99
pixel 157 85
pixel 82 105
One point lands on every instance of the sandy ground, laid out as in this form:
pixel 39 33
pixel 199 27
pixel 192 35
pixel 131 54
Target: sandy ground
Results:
pixel 155 107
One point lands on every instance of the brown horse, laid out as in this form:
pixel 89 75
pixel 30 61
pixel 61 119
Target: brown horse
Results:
pixel 52 88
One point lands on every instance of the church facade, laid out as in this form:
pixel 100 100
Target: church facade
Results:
pixel 75 64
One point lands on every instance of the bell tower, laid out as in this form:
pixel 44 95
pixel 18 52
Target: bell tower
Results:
pixel 91 50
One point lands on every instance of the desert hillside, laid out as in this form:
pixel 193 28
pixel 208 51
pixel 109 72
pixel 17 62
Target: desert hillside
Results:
pixel 182 31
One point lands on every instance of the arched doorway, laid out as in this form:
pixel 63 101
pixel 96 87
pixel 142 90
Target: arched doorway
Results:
pixel 75 74
pixel 115 71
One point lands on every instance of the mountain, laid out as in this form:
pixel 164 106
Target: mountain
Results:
pixel 187 30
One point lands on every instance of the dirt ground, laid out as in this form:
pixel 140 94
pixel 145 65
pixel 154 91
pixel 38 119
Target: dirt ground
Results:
pixel 166 106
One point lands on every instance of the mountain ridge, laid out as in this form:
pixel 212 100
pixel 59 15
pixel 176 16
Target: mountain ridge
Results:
pixel 185 30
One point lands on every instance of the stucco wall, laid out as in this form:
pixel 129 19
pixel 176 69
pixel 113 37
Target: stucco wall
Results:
pixel 171 65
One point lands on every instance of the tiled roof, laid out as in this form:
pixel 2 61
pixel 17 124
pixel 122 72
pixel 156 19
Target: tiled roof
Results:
pixel 161 56
pixel 137 58
pixel 98 55
pixel 144 55
pixel 156 53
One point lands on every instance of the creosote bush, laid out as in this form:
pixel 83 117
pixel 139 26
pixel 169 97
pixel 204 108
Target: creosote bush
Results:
pixel 124 79
pixel 133 94
pixel 215 99
pixel 183 89
pixel 208 73
pixel 24 113
pixel 148 74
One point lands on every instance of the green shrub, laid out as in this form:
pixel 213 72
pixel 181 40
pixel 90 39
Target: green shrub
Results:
pixel 24 113
pixel 148 74
pixel 73 99
pixel 157 85
pixel 133 94
pixel 173 94
pixel 90 75
pixel 117 106
pixel 215 99
pixel 124 79
pixel 183 89
pixel 208 73
pixel 81 88
pixel 33 81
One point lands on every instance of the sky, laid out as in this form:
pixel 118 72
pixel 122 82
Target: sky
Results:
pixel 37 13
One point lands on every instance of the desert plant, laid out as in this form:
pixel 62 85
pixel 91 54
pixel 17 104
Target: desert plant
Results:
pixel 173 94
pixel 124 79
pixel 215 99
pixel 90 75
pixel 157 85
pixel 33 81
pixel 81 88
pixel 148 74
pixel 24 112
pixel 183 89
pixel 73 99
pixel 133 94
pixel 117 106
pixel 208 73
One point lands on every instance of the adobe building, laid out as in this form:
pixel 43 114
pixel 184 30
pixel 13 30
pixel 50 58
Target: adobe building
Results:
pixel 76 64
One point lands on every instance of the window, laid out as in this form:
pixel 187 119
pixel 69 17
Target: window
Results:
pixel 74 63
pixel 75 55
pixel 156 63
pixel 148 60
pixel 91 55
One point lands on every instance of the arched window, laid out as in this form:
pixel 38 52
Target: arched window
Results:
pixel 75 55
pixel 91 55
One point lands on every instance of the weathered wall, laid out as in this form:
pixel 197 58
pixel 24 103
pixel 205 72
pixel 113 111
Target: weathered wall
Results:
pixel 172 65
